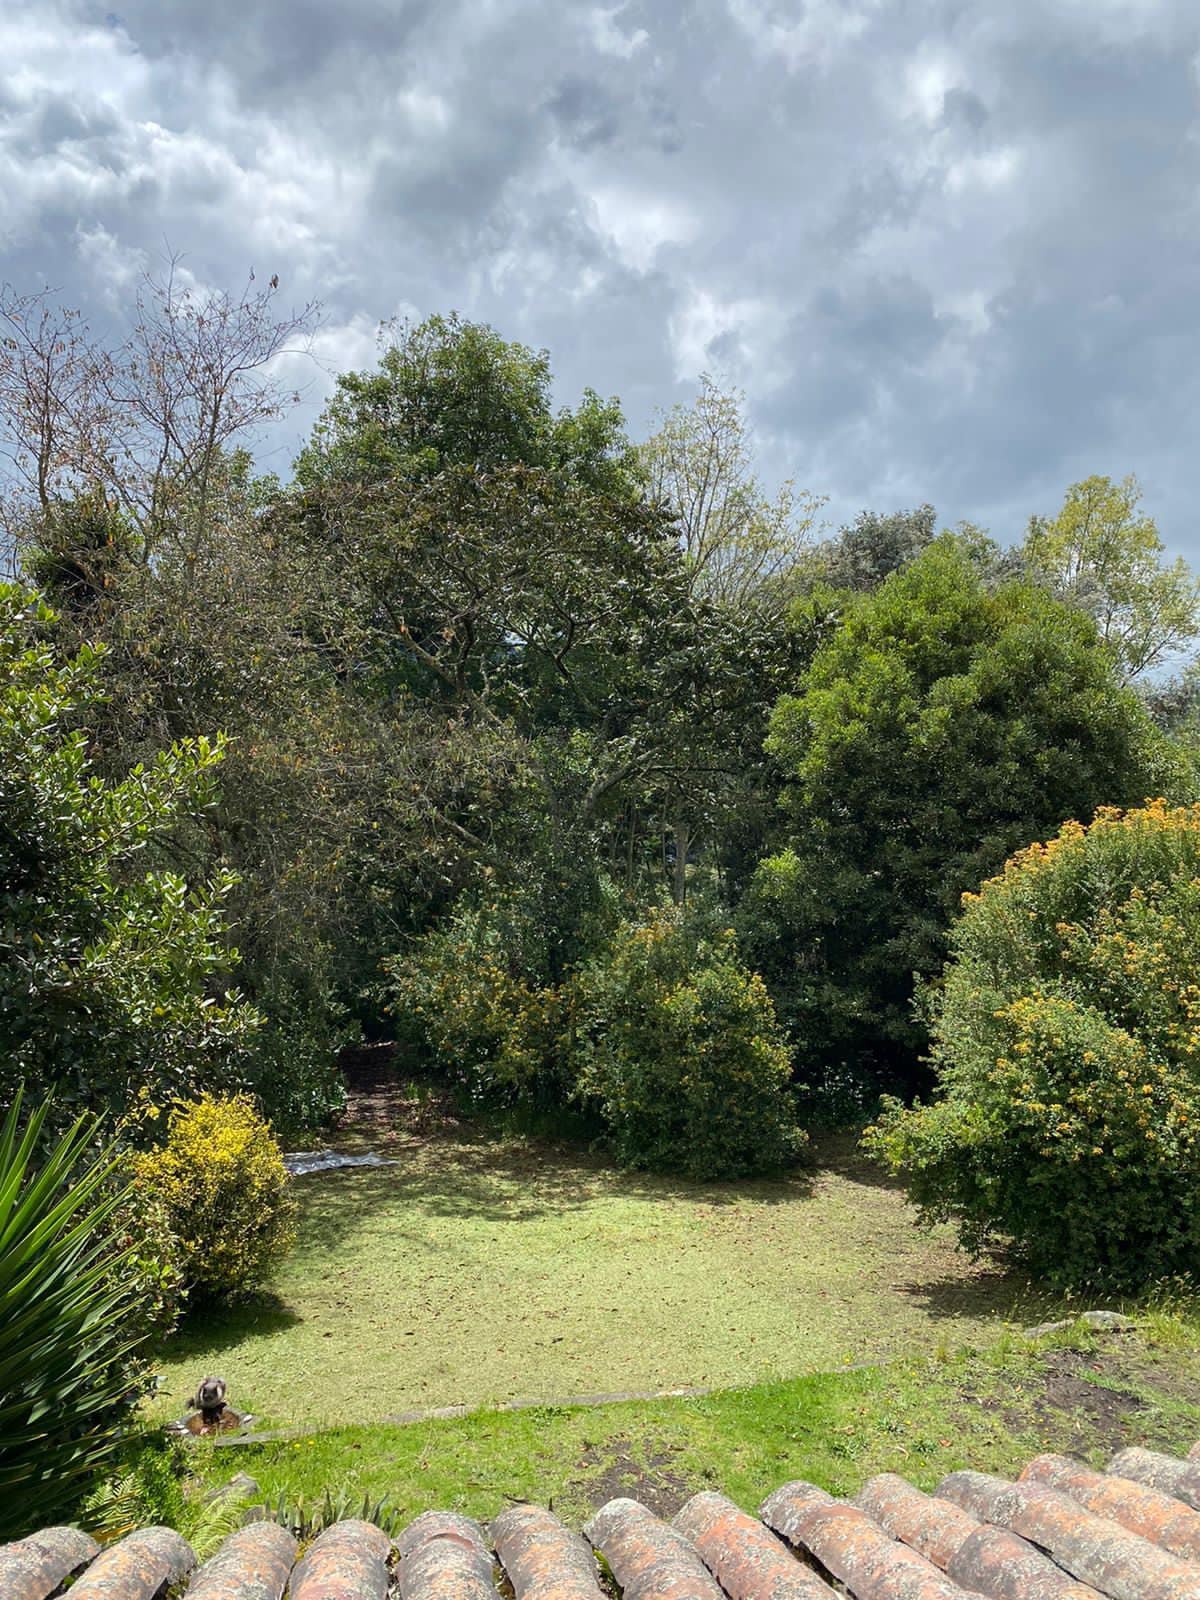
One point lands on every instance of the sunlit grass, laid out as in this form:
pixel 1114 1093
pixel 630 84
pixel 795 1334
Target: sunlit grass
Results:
pixel 922 1417
pixel 481 1270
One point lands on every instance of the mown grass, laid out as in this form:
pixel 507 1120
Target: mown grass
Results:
pixel 483 1269
pixel 923 1417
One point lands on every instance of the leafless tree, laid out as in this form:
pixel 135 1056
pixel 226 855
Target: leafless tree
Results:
pixel 150 422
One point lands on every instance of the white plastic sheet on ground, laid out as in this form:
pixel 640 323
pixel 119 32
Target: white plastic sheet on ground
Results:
pixel 301 1162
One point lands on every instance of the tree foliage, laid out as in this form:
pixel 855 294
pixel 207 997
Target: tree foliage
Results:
pixel 148 421
pixel 739 543
pixel 676 1043
pixel 1103 554
pixel 870 549
pixel 944 722
pixel 449 392
pixel 1066 1040
pixel 115 974
pixel 484 680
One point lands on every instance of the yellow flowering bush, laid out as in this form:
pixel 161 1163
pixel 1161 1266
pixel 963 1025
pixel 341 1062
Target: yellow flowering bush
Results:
pixel 221 1179
pixel 1067 1043
pixel 676 1044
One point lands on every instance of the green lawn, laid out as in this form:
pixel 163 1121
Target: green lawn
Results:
pixel 483 1269
pixel 922 1417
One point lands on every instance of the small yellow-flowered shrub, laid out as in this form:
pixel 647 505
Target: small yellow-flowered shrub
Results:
pixel 221 1178
pixel 1067 1042
pixel 676 1045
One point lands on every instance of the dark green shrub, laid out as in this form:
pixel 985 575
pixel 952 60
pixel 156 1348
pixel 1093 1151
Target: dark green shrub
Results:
pixel 1067 1043
pixel 293 1069
pixel 71 1323
pixel 470 996
pixel 152 1257
pixel 676 1045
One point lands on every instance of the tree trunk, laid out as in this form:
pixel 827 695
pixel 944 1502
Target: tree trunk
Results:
pixel 679 887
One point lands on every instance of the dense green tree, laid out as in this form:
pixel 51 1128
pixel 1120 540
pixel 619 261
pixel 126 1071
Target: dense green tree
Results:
pixel 114 976
pixel 869 549
pixel 448 392
pixel 944 723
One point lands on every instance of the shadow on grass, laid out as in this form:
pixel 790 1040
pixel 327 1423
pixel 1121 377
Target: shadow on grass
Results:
pixel 505 1180
pixel 232 1326
pixel 840 1152
pixel 995 1290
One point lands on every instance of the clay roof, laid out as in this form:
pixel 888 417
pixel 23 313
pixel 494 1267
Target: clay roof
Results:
pixel 1060 1532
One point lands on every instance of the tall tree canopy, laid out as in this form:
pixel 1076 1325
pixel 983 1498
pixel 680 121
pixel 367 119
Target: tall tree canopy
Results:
pixel 944 723
pixel 739 543
pixel 449 392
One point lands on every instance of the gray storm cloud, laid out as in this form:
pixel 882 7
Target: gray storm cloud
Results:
pixel 950 251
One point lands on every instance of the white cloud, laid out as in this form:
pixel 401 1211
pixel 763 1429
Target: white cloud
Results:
pixel 116 268
pixel 640 225
pixel 992 169
pixel 928 77
pixel 822 30
pixel 609 38
pixel 703 322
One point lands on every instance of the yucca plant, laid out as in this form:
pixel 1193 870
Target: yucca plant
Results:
pixel 308 1518
pixel 68 1374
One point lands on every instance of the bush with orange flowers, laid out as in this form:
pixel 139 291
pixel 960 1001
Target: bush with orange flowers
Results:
pixel 1067 1043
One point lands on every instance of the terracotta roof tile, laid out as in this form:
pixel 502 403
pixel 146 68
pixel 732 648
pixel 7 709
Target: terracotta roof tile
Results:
pixel 853 1547
pixel 748 1561
pixel 1178 1478
pixel 991 1561
pixel 1149 1512
pixel 649 1560
pixel 443 1556
pixel 934 1528
pixel 136 1568
pixel 1062 1532
pixel 253 1564
pixel 542 1559
pixel 1096 1549
pixel 346 1562
pixel 32 1568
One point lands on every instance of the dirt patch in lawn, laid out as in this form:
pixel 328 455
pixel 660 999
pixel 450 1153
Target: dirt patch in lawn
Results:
pixel 1090 1402
pixel 621 1468
pixel 1070 1391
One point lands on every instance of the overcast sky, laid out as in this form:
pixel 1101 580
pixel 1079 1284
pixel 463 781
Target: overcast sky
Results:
pixel 949 250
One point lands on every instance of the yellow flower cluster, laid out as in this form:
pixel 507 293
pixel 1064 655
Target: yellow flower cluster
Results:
pixel 221 1178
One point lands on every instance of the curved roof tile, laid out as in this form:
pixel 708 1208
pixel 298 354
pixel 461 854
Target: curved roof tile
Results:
pixel 1062 1532
pixel 32 1568
pixel 443 1556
